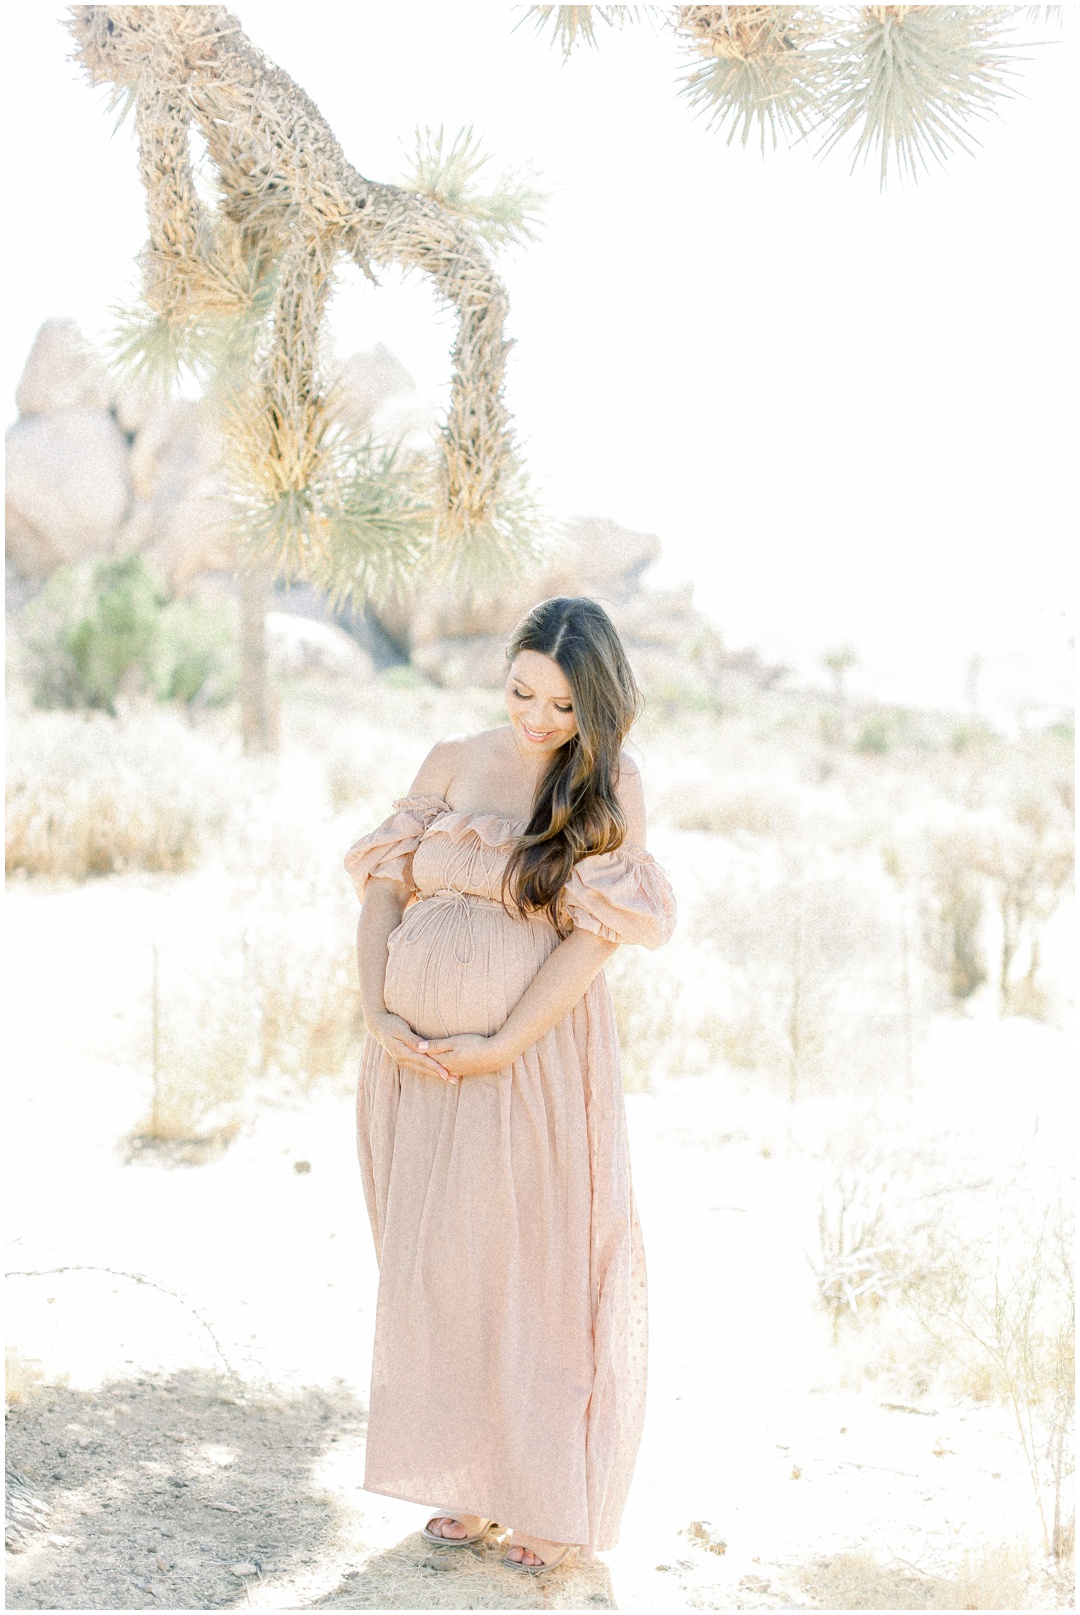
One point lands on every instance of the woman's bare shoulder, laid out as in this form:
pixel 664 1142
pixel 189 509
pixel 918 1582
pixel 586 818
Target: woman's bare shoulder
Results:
pixel 448 757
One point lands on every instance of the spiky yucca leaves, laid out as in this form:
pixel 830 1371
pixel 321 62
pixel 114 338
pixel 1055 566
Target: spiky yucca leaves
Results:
pixel 908 79
pixel 570 26
pixel 905 80
pixel 447 174
pixel 289 207
pixel 757 69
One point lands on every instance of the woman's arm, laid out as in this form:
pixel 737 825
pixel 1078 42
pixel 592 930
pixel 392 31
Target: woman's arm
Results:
pixel 384 903
pixel 558 985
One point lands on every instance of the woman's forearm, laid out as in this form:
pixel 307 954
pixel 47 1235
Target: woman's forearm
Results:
pixel 558 985
pixel 384 903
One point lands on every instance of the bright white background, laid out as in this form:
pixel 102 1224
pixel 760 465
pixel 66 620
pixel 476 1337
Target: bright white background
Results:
pixel 846 414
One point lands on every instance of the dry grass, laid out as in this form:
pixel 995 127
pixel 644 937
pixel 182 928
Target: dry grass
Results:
pixel 96 796
pixel 652 1037
pixel 756 807
pixel 996 1579
pixel 202 1056
pixel 22 1376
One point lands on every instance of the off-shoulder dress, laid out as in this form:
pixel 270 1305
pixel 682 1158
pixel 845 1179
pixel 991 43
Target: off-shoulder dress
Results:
pixel 508 1377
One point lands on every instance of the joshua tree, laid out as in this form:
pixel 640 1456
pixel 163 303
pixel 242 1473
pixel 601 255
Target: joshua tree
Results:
pixel 253 276
pixel 906 80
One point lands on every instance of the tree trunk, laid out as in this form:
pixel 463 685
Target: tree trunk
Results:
pixel 258 701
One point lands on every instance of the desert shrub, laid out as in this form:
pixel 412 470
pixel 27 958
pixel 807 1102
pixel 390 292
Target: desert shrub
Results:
pixel 810 950
pixel 860 1262
pixel 92 796
pixel 1001 1305
pixel 877 734
pixel 953 909
pixel 1028 860
pixel 296 914
pixel 108 630
pixel 196 657
pixel 647 1014
pixel 203 1049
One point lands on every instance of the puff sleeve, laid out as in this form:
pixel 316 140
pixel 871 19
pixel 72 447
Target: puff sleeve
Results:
pixel 623 896
pixel 387 851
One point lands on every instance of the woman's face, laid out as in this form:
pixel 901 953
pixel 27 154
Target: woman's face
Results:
pixel 539 703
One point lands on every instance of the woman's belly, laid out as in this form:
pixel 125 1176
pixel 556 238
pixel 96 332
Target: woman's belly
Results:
pixel 459 964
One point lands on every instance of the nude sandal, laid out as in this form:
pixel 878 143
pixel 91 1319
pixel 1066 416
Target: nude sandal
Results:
pixel 454 1541
pixel 537 1570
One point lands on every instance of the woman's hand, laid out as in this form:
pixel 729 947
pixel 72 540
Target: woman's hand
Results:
pixel 468 1055
pixel 404 1046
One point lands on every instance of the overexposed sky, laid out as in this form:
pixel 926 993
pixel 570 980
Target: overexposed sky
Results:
pixel 846 414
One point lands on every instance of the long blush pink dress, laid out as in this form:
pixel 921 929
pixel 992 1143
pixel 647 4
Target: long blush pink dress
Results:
pixel 508 1377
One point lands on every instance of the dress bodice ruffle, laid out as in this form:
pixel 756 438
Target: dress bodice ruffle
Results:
pixel 429 847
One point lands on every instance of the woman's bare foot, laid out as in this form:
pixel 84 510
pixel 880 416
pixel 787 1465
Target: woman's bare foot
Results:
pixel 454 1527
pixel 533 1550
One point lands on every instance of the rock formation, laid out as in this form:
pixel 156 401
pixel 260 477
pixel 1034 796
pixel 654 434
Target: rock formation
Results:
pixel 94 472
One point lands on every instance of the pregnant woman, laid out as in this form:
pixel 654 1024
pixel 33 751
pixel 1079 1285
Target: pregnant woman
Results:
pixel 508 1378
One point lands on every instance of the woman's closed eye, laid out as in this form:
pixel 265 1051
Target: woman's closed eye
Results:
pixel 524 695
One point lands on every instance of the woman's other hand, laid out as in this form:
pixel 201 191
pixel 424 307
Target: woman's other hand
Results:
pixel 469 1055
pixel 404 1046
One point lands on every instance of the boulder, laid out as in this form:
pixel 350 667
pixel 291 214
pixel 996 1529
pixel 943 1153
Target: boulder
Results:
pixel 68 489
pixel 63 372
pixel 457 663
pixel 592 556
pixel 602 557
pixel 298 645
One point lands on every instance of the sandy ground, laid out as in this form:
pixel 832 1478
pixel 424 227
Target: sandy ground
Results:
pixel 200 1443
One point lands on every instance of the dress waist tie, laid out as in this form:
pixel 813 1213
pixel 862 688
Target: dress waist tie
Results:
pixel 454 904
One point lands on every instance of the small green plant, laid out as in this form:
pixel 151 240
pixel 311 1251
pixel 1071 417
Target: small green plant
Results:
pixel 877 735
pixel 102 632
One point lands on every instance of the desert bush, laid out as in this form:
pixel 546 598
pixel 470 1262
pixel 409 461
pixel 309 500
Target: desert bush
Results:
pixel 296 914
pixel 107 630
pixel 646 1001
pixel 953 909
pixel 1003 1305
pixel 1028 861
pixel 93 796
pixel 860 1262
pixel 812 957
pixel 203 1049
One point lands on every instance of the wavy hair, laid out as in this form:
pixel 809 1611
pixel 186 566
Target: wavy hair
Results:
pixel 575 810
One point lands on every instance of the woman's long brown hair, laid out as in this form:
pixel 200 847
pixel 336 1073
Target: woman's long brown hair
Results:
pixel 575 811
